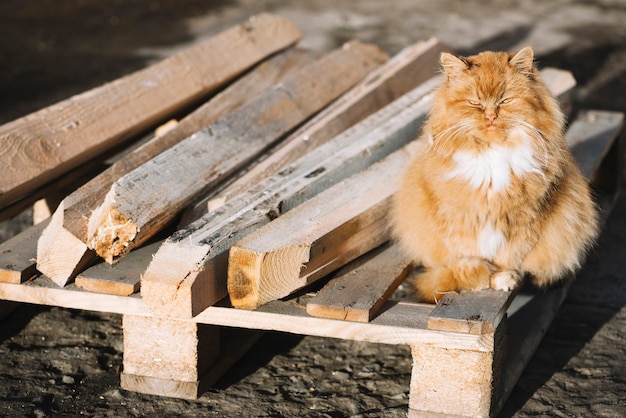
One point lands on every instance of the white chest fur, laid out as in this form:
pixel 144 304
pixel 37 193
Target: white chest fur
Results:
pixel 494 167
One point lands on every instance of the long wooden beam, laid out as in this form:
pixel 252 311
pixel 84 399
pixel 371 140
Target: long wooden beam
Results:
pixel 62 250
pixel 45 144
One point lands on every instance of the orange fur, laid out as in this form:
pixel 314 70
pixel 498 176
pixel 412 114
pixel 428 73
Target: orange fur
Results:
pixel 495 194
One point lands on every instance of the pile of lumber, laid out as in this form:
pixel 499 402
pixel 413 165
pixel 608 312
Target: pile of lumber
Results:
pixel 280 174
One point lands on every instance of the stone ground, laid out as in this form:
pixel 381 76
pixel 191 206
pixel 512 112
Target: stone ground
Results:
pixel 61 362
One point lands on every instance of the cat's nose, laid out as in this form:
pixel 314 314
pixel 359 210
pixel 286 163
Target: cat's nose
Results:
pixel 491 116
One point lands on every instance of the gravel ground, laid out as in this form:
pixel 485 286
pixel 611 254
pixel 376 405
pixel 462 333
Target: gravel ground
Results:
pixel 62 362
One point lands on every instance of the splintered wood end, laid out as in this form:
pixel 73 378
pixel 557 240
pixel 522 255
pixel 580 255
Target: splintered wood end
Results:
pixel 113 235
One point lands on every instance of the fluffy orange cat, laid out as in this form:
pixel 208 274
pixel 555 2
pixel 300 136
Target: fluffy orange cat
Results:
pixel 495 194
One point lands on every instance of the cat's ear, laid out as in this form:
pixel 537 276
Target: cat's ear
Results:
pixel 523 60
pixel 452 65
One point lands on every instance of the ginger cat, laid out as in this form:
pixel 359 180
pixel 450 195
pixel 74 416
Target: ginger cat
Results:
pixel 495 194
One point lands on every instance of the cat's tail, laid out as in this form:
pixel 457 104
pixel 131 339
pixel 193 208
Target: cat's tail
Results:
pixel 465 274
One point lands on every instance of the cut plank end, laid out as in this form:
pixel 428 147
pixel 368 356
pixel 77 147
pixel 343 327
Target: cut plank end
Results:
pixel 112 235
pixel 249 281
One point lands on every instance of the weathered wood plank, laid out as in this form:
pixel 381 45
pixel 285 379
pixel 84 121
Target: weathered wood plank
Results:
pixel 590 136
pixel 168 349
pixel 188 273
pixel 397 323
pixel 143 201
pixel 234 343
pixel 64 243
pixel 122 278
pixel 17 255
pixel 41 146
pixel 360 289
pixel 403 72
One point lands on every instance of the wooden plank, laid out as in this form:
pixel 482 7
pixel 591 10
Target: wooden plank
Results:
pixel 143 201
pixel 188 273
pixel 317 237
pixel 17 255
pixel 64 244
pixel 122 278
pixel 402 73
pixel 41 146
pixel 590 136
pixel 360 289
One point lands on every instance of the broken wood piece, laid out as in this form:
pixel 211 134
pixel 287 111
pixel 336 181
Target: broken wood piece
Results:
pixel 188 273
pixel 402 73
pixel 149 197
pixel 590 136
pixel 122 278
pixel 315 238
pixel 17 255
pixel 47 143
pixel 67 235
pixel 359 290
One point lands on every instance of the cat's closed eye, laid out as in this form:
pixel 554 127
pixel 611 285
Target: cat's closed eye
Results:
pixel 474 103
pixel 506 101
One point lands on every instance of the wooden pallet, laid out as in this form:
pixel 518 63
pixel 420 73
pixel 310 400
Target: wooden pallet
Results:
pixel 180 333
pixel 490 335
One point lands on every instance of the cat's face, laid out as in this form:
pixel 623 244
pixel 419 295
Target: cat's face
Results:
pixel 491 97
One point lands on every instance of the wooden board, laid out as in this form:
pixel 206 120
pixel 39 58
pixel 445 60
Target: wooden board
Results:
pixel 359 290
pixel 188 273
pixel 45 144
pixel 140 203
pixel 17 255
pixel 64 244
pixel 122 278
pixel 590 136
pixel 402 73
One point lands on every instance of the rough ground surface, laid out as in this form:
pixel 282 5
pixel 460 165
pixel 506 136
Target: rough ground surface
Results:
pixel 59 362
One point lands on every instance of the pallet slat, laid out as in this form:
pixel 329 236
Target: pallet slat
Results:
pixel 317 237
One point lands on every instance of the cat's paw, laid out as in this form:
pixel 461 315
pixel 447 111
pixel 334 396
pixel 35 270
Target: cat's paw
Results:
pixel 505 280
